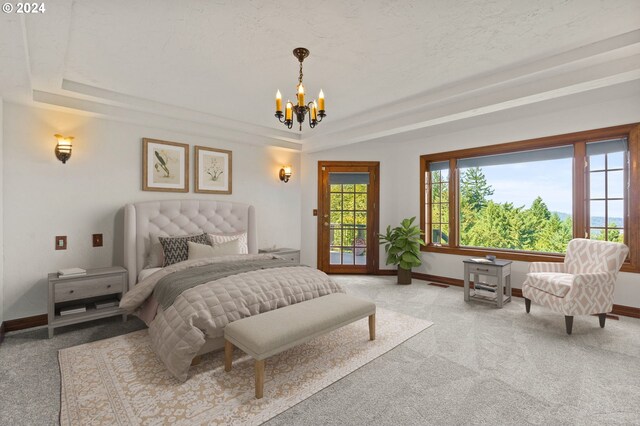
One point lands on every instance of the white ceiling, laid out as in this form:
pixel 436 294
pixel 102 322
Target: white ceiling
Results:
pixel 397 64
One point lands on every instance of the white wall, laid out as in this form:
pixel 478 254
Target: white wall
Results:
pixel 1 221
pixel 45 198
pixel 399 175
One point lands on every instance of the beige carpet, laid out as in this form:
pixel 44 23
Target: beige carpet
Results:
pixel 120 380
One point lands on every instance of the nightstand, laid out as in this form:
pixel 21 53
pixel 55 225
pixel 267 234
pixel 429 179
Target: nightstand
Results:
pixel 288 253
pixel 91 290
pixel 500 269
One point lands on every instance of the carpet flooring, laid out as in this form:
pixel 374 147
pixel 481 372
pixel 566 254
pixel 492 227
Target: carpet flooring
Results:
pixel 122 381
pixel 475 365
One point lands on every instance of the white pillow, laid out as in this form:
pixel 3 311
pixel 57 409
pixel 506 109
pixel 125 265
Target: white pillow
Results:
pixel 202 251
pixel 217 239
pixel 156 254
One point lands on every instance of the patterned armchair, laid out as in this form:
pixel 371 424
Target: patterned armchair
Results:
pixel 582 285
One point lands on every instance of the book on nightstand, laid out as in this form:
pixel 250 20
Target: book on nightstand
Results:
pixel 71 272
pixel 73 310
pixel 107 304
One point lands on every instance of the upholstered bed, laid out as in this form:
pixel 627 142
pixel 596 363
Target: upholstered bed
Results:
pixel 217 290
pixel 181 217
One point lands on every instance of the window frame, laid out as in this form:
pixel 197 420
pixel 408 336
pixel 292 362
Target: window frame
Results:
pixel 579 141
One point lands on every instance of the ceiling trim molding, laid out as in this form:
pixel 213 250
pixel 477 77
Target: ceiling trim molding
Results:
pixel 462 111
pixel 110 97
pixel 143 118
pixel 578 60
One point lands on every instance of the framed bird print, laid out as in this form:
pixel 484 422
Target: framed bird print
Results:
pixel 213 170
pixel 165 166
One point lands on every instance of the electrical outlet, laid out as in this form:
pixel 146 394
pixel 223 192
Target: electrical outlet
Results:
pixel 97 240
pixel 61 242
pixel 315 212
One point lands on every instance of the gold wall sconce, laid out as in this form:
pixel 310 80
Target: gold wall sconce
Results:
pixel 285 173
pixel 63 147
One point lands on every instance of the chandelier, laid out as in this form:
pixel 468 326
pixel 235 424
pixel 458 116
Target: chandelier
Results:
pixel 300 110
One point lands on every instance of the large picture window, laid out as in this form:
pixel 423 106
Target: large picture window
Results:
pixel 526 200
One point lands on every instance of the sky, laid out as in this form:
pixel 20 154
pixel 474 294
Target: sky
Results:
pixel 521 183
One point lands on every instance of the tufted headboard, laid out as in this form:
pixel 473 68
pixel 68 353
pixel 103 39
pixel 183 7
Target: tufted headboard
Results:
pixel 181 217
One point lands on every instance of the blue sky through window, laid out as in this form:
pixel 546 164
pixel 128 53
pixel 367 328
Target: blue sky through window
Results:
pixel 521 183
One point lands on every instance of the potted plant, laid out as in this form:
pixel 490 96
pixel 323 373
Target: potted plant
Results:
pixel 402 245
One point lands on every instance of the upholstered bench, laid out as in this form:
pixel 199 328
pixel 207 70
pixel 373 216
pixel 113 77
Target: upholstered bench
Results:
pixel 272 332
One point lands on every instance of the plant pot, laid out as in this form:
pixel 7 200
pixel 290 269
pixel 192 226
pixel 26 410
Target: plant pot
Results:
pixel 404 276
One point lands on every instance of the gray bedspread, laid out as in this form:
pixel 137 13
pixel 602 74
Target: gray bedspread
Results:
pixel 173 285
pixel 201 312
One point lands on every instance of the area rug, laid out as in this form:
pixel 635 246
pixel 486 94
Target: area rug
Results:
pixel 121 381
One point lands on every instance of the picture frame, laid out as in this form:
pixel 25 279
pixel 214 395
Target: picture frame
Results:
pixel 165 166
pixel 213 170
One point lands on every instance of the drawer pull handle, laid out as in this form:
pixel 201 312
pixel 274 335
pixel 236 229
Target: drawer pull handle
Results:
pixel 70 291
pixel 109 286
pixel 483 270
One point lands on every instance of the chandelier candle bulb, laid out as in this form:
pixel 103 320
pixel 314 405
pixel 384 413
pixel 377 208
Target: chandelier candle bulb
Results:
pixel 289 112
pixel 321 101
pixel 278 101
pixel 300 95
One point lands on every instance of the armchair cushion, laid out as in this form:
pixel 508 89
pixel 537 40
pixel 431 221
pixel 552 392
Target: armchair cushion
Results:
pixel 546 267
pixel 554 283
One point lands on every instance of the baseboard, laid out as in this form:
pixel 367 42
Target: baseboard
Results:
pixel 27 322
pixel 627 311
pixel 39 320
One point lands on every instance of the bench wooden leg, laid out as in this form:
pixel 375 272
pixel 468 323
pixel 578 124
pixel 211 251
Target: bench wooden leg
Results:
pixel 196 360
pixel 372 327
pixel 228 355
pixel 259 378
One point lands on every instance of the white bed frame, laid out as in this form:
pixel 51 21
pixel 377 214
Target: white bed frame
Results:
pixel 181 217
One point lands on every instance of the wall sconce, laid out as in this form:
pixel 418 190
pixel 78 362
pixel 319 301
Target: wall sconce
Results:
pixel 63 148
pixel 285 173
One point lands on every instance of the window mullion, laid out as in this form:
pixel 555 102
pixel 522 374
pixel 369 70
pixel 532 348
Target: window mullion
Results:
pixel 453 202
pixel 580 191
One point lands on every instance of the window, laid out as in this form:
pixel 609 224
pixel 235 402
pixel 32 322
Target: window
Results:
pixel 526 200
pixel 517 201
pixel 608 182
pixel 439 213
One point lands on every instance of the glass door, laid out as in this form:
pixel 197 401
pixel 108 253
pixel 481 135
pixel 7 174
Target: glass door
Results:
pixel 348 242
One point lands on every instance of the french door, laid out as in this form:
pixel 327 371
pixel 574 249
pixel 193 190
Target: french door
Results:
pixel 348 203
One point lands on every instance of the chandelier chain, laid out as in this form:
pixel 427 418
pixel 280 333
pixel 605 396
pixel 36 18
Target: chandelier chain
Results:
pixel 300 77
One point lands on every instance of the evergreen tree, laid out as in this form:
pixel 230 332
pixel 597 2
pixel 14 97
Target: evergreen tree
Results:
pixel 474 188
pixel 474 193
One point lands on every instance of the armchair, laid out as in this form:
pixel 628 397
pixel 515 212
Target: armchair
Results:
pixel 582 285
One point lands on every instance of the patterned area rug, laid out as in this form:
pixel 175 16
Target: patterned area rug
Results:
pixel 121 381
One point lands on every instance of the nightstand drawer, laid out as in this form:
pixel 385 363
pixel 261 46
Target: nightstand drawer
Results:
pixel 80 288
pixel 484 270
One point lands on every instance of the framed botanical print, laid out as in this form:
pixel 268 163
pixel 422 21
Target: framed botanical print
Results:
pixel 213 170
pixel 165 166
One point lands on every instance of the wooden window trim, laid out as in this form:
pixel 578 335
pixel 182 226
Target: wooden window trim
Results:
pixel 580 200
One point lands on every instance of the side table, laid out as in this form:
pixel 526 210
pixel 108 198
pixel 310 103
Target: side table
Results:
pixel 85 290
pixel 500 269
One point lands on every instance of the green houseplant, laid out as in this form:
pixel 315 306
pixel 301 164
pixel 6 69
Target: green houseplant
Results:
pixel 402 245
